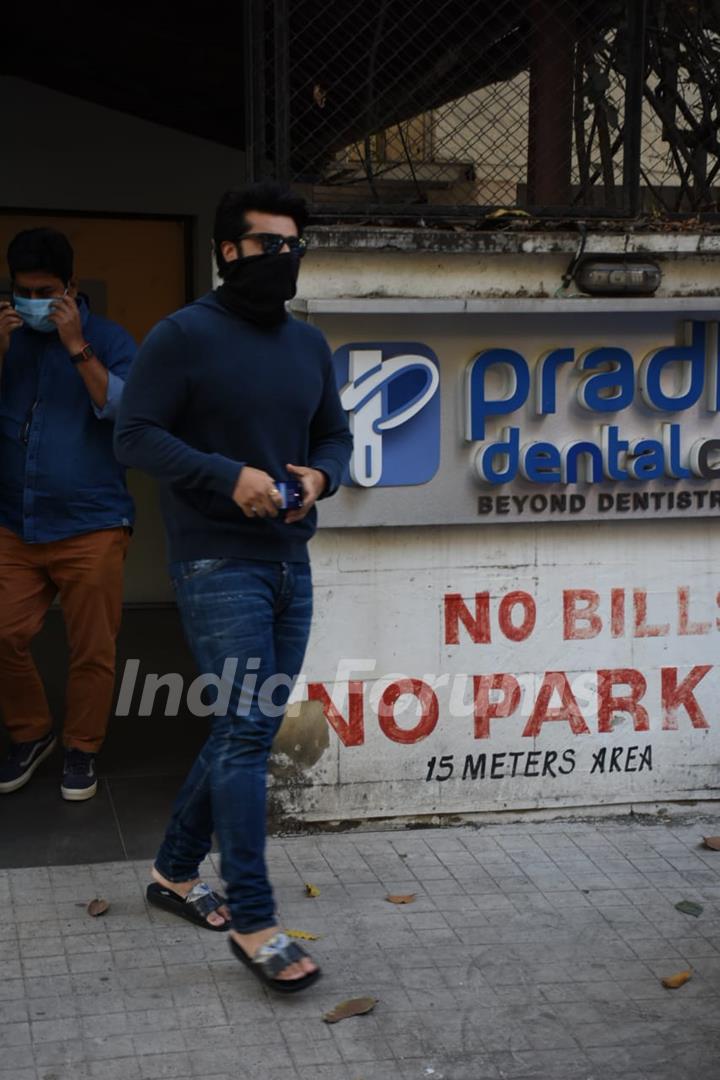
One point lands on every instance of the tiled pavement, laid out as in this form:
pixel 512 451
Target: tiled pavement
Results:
pixel 531 951
pixel 142 766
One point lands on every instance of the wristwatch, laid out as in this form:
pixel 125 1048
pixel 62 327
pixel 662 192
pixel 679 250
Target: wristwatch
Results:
pixel 85 353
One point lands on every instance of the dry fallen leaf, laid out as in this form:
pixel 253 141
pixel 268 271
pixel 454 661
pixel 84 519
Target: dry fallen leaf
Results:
pixel 311 890
pixel 689 907
pixel 302 935
pixel 674 981
pixel 353 1007
pixel 97 907
pixel 401 899
pixel 507 212
pixel 713 842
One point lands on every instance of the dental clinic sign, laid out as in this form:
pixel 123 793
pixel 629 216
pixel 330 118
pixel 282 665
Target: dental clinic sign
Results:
pixel 566 417
pixel 604 382
pixel 390 392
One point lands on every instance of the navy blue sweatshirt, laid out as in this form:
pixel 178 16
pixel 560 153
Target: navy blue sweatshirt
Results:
pixel 209 393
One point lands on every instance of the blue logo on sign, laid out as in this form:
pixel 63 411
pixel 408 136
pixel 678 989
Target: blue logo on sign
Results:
pixel 390 391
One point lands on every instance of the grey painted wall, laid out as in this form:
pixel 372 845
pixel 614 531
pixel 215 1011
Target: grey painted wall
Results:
pixel 62 153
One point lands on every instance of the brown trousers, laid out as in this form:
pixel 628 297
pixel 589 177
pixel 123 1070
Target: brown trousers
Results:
pixel 86 572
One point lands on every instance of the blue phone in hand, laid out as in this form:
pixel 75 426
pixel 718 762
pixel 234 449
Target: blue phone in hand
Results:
pixel 291 493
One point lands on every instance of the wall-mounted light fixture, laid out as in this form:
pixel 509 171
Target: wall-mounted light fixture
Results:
pixel 617 275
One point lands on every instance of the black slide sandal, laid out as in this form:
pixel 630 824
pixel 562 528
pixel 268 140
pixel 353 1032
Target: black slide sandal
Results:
pixel 272 958
pixel 200 902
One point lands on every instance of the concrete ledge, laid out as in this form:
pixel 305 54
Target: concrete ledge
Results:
pixel 527 305
pixel 600 240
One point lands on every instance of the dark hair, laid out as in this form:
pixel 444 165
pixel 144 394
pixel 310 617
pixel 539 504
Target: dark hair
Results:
pixel 268 198
pixel 41 249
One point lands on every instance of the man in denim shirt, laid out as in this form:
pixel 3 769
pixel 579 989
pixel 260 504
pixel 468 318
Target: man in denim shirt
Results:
pixel 65 511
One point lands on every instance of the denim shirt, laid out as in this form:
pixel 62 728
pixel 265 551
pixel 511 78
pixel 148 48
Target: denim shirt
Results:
pixel 58 474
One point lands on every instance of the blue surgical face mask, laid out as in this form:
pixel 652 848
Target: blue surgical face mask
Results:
pixel 35 313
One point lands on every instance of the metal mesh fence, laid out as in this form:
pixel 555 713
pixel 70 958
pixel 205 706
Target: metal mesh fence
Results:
pixel 680 159
pixel 465 106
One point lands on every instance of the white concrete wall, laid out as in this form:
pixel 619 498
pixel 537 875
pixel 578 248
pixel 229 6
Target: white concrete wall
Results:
pixel 380 596
pixel 390 264
pixel 381 599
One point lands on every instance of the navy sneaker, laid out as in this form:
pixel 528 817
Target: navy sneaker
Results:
pixel 79 779
pixel 22 761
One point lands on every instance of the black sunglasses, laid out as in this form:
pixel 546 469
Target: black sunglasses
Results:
pixel 272 243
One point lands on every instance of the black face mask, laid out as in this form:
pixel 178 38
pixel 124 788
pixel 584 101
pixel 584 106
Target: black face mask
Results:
pixel 257 287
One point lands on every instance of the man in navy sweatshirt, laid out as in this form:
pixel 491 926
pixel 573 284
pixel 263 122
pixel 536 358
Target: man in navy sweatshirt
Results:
pixel 227 398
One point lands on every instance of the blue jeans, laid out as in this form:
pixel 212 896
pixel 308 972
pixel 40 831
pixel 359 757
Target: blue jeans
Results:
pixel 259 614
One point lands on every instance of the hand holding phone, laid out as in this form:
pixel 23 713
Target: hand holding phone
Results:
pixel 291 494
pixel 9 321
pixel 312 483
